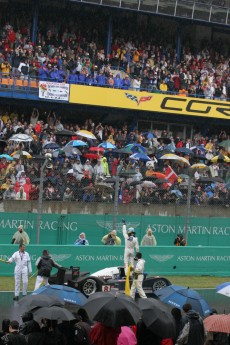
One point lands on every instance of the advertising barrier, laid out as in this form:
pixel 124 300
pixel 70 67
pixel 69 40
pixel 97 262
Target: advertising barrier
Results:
pixel 65 228
pixel 55 91
pixel 135 100
pixel 160 260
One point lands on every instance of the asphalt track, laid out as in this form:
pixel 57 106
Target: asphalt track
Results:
pixel 13 311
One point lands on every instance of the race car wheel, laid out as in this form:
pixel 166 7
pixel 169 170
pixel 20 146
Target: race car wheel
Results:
pixel 89 287
pixel 159 283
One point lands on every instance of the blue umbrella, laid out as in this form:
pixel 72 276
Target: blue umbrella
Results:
pixel 177 296
pixel 7 157
pixel 76 143
pixel 106 145
pixel 135 148
pixel 63 292
pixel 185 151
pixel 224 289
pixel 51 146
pixel 140 157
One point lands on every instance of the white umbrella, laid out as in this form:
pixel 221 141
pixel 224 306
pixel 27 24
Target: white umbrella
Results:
pixel 148 184
pixel 172 156
pixel 21 138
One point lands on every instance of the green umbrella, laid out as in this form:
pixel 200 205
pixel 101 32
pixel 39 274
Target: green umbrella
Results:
pixel 225 144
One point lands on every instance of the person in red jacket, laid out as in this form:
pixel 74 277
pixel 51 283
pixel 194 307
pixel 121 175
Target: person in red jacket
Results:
pixel 104 335
pixel 27 188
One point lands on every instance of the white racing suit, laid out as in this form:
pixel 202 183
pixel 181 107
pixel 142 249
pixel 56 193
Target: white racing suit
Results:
pixel 138 277
pixel 22 266
pixel 131 243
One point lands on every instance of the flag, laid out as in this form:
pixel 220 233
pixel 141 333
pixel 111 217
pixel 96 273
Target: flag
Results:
pixel 171 175
pixel 127 285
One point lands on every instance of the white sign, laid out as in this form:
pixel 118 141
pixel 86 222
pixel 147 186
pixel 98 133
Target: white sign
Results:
pixel 57 91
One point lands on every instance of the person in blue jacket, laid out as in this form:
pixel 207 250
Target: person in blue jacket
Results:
pixel 118 82
pixel 126 83
pixel 54 74
pixel 100 78
pixel 72 78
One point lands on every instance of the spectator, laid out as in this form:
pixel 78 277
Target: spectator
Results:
pixel 14 337
pixel 149 239
pixel 180 241
pixel 111 239
pixel 193 331
pixel 20 236
pixel 81 241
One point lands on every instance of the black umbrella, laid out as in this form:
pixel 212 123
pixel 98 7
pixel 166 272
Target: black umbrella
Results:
pixel 161 180
pixel 65 132
pixel 112 310
pixel 32 301
pixel 165 140
pixel 54 313
pixel 157 317
pixel 184 151
pixel 135 183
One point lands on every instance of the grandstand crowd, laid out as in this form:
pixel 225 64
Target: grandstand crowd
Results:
pixel 82 171
pixel 77 55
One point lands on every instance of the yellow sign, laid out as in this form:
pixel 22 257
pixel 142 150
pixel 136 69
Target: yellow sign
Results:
pixel 106 97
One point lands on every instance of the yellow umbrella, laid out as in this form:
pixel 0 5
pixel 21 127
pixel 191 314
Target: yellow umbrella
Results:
pixel 86 134
pixel 221 158
pixel 172 156
pixel 21 154
pixel 199 166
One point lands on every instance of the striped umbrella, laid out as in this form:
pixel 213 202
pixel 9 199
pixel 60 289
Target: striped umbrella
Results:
pixel 217 323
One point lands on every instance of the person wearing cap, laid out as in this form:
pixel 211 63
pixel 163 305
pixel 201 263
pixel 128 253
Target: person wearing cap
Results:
pixel 81 241
pixel 44 265
pixel 138 277
pixel 20 236
pixel 111 239
pixel 131 243
pixel 22 267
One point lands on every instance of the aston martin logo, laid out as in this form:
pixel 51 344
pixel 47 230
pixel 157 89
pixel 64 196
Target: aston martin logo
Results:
pixel 136 99
pixel 60 257
pixel 108 225
pixel 161 258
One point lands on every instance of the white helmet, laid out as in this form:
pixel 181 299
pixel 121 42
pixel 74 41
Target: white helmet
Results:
pixel 150 164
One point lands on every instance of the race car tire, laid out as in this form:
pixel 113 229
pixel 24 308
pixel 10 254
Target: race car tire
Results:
pixel 90 285
pixel 160 283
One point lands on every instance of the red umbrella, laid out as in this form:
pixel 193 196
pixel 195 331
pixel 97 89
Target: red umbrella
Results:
pixel 159 175
pixel 217 323
pixel 91 156
pixel 96 149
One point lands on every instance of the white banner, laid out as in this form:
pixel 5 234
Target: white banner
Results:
pixel 57 91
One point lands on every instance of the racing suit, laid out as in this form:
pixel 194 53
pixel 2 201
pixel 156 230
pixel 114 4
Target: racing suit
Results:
pixel 22 266
pixel 131 243
pixel 138 277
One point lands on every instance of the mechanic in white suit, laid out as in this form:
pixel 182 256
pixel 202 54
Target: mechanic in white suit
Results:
pixel 131 243
pixel 138 277
pixel 22 267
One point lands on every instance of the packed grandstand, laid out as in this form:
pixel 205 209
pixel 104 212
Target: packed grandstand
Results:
pixel 142 56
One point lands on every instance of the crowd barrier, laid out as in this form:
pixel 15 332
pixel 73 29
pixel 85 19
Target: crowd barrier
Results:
pixel 160 260
pixel 64 229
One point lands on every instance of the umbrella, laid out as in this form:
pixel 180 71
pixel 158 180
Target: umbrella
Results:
pixel 157 317
pixel 177 296
pixel 76 143
pixel 91 156
pixel 177 193
pixel 184 176
pixel 33 301
pixel 54 313
pixel 7 157
pixel 68 150
pixel 51 146
pixel 63 292
pixel 21 138
pixel 112 310
pixel 225 144
pixel 220 158
pixel 165 140
pixel 103 186
pixel 219 323
pixel 140 157
pixel 88 188
pixel 96 149
pixel 66 133
pixel 136 183
pixel 134 148
pixel 70 171
pixel 161 180
pixel 199 166
pixel 199 147
pixel 148 184
pixel 172 156
pixel 224 289
pixel 159 175
pixel 21 154
pixel 184 151
pixel 107 146
pixel 86 134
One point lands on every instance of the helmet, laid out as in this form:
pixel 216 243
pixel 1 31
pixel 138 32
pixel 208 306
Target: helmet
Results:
pixel 130 230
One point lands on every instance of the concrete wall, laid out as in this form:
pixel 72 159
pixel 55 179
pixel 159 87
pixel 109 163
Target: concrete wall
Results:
pixel 108 208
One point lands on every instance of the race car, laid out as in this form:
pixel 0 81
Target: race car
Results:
pixel 107 279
